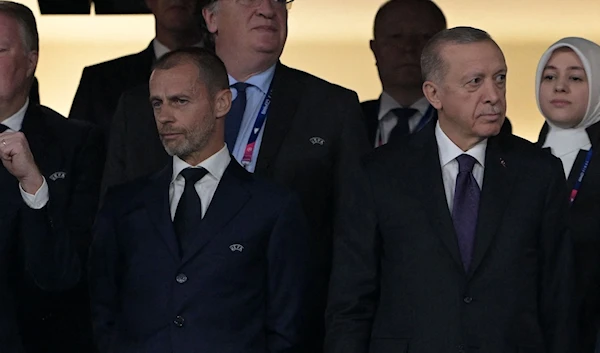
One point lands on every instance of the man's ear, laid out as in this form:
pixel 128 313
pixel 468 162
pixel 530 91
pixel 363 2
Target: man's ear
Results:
pixel 373 46
pixel 432 93
pixel 32 61
pixel 210 18
pixel 222 103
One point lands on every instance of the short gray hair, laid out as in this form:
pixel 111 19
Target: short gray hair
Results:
pixel 433 66
pixel 26 20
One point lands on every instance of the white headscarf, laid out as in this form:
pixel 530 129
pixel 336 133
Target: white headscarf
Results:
pixel 566 143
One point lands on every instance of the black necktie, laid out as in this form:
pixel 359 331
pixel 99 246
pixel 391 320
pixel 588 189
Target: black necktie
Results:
pixel 3 128
pixel 189 208
pixel 401 129
pixel 235 115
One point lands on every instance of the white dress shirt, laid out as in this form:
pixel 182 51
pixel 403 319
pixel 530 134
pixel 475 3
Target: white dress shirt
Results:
pixel 205 187
pixel 448 152
pixel 41 197
pixel 388 120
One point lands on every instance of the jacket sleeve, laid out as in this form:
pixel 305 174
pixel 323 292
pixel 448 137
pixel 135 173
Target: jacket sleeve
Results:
pixel 288 276
pixel 355 276
pixel 56 237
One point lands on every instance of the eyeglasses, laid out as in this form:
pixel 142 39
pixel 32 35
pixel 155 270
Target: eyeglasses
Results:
pixel 256 3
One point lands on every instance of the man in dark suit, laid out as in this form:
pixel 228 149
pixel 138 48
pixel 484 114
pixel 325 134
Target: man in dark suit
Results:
pixel 201 256
pixel 101 85
pixel 49 182
pixel 312 134
pixel 454 239
pixel 400 31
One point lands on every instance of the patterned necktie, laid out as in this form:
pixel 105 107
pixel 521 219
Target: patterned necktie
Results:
pixel 466 207
pixel 401 129
pixel 235 115
pixel 189 208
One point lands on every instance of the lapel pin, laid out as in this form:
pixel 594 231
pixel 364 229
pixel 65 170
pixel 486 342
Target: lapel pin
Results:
pixel 503 162
pixel 317 141
pixel 236 247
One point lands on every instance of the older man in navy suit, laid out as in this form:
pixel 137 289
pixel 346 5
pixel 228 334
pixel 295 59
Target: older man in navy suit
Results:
pixel 202 256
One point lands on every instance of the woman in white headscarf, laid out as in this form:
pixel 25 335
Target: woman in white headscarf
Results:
pixel 568 95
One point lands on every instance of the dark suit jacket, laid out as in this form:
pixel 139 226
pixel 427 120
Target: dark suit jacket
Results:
pixel 398 283
pixel 585 230
pixel 313 135
pixel 41 251
pixel 102 84
pixel 371 114
pixel 230 301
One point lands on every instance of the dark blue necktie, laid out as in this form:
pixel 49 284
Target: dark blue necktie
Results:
pixel 401 129
pixel 465 207
pixel 189 208
pixel 3 128
pixel 235 115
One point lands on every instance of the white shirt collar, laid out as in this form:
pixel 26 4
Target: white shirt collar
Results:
pixel 15 121
pixel 215 164
pixel 387 103
pixel 161 49
pixel 261 80
pixel 448 151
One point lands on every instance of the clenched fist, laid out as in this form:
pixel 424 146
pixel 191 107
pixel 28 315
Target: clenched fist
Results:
pixel 18 160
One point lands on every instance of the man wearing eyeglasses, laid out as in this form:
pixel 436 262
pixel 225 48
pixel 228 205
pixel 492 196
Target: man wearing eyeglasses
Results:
pixel 284 124
pixel 288 125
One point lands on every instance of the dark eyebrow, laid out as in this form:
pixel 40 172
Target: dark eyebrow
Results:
pixel 550 67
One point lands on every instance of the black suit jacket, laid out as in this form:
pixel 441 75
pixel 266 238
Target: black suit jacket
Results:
pixel 313 136
pixel 371 113
pixel 239 288
pixel 41 251
pixel 585 230
pixel 398 283
pixel 102 84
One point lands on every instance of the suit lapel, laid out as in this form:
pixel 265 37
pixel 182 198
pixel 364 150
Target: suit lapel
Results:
pixel 229 198
pixel 156 200
pixel 428 173
pixel 499 177
pixel 371 113
pixel 287 92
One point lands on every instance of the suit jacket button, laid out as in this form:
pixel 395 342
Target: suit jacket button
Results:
pixel 181 278
pixel 468 300
pixel 461 348
pixel 178 321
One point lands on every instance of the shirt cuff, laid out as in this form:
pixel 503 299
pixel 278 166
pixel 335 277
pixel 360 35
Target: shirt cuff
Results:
pixel 39 200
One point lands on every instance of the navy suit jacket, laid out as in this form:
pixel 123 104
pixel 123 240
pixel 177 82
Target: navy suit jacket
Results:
pixel 239 287
pixel 42 252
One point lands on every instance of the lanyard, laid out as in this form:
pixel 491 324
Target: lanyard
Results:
pixel 584 168
pixel 424 120
pixel 258 125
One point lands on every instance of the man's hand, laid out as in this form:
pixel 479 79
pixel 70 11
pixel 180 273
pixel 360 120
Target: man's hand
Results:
pixel 18 160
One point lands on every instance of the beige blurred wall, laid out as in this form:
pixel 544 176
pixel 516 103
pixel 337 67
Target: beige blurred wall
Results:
pixel 329 38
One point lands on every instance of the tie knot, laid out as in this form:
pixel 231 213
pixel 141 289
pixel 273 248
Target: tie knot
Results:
pixel 3 128
pixel 465 163
pixel 192 175
pixel 404 113
pixel 241 86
